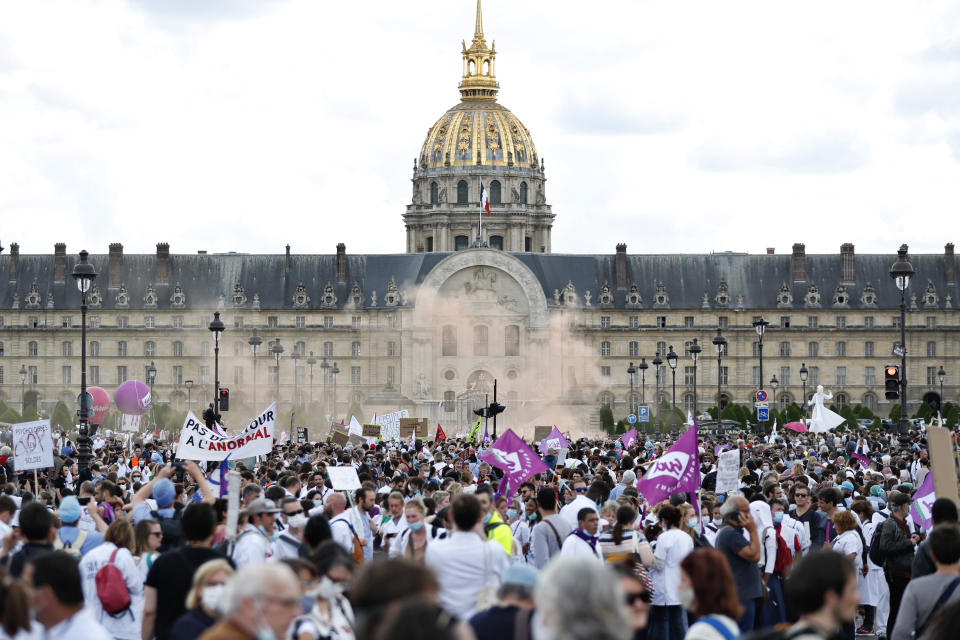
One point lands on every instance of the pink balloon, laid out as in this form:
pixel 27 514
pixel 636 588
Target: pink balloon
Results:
pixel 101 404
pixel 132 398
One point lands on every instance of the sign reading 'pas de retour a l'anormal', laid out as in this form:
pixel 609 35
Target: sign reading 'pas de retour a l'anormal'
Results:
pixel 197 442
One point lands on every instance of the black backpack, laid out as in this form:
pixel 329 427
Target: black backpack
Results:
pixel 877 555
pixel 171 528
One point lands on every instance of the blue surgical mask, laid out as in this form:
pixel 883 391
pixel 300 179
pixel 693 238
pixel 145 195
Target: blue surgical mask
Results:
pixel 511 514
pixel 486 517
pixel 718 521
pixel 415 526
pixel 778 517
pixel 532 516
pixel 693 522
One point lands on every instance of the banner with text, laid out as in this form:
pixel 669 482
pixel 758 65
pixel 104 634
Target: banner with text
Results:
pixel 199 443
pixel 32 445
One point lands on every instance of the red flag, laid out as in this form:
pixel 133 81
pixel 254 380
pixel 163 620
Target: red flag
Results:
pixel 440 434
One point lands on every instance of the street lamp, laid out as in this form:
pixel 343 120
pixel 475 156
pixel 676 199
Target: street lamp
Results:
pixel 774 383
pixel 672 361
pixel 720 343
pixel 695 350
pixel 23 389
pixel 941 375
pixel 189 385
pixel 216 326
pixel 254 341
pixel 643 366
pixel 84 274
pixel 151 377
pixel 277 350
pixel 901 272
pixel 325 367
pixel 760 326
pixel 657 365
pixel 803 380
pixel 334 371
pixel 296 386
pixel 311 360
pixel 632 372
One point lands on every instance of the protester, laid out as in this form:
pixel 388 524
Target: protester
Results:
pixel 708 591
pixel 583 540
pixel 56 598
pixel 37 526
pixel 289 543
pixel 147 537
pixel 330 616
pixel 15 620
pixel 924 596
pixel 553 529
pixel 514 609
pixel 623 542
pixel 203 600
pixel 254 542
pixel 742 555
pixel 897 545
pixel 259 602
pixel 116 550
pixel 822 587
pixel 580 599
pixel 667 621
pixel 942 511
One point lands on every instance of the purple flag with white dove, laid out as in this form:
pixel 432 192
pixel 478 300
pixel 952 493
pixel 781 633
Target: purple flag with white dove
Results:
pixel 517 461
pixel 677 470
pixel 629 438
pixel 553 441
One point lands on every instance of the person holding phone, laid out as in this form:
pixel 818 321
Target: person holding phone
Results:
pixel 742 554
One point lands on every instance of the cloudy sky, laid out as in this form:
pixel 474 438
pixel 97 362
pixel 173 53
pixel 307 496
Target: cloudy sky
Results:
pixel 244 125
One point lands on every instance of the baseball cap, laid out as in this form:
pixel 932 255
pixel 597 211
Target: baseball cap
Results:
pixel 164 492
pixel 260 506
pixel 69 510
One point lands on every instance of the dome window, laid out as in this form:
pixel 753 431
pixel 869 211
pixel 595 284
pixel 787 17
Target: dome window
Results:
pixel 434 193
pixel 523 193
pixel 462 192
pixel 496 242
pixel 495 192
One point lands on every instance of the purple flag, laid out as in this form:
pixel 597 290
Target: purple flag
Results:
pixel 862 459
pixel 629 438
pixel 221 475
pixel 553 441
pixel 922 503
pixel 720 448
pixel 517 461
pixel 677 470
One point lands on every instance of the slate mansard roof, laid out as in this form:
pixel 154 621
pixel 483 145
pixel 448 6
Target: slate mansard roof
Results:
pixel 751 281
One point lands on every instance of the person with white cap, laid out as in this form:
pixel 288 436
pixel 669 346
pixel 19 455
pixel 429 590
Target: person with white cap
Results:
pixel 253 544
pixel 514 606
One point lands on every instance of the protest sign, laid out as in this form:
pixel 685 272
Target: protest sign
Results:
pixel 343 478
pixel 197 442
pixel 356 440
pixel 355 428
pixel 303 435
pixel 339 437
pixel 371 431
pixel 539 433
pixel 942 462
pixel 728 470
pixel 128 422
pixel 32 445
pixel 390 424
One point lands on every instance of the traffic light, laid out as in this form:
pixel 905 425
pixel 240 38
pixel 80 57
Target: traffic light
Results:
pixel 494 409
pixel 224 399
pixel 482 412
pixel 891 375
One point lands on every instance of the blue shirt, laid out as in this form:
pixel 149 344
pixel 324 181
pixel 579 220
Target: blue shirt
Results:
pixel 70 533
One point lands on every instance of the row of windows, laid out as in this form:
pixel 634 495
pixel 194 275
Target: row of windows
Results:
pixel 481 340
pixel 177 351
pixel 785 349
pixel 813 322
pixel 841 400
pixel 177 321
pixel 494 193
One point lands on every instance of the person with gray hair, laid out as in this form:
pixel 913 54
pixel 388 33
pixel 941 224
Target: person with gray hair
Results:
pixel 629 479
pixel 580 599
pixel 259 600
pixel 514 608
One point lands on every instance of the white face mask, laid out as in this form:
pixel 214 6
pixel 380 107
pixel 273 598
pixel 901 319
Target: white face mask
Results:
pixel 298 521
pixel 210 597
pixel 327 589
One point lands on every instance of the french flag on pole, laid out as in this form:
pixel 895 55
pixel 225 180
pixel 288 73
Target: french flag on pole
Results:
pixel 484 199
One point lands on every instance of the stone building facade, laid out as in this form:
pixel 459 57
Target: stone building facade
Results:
pixel 430 330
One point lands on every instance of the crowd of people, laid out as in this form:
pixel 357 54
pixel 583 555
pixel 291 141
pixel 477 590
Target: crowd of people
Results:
pixel 813 543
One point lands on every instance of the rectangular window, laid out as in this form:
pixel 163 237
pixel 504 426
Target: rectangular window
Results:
pixel 34 322
pixel 150 322
pixel 723 322
pixel 634 348
pixel 238 375
pixel 66 322
pixel 931 322
pixel 1 322
pixel 176 322
pixel 814 376
pixel 391 349
pixel 813 349
pixel 869 376
pixel 868 322
pixel 511 346
pixel 272 322
pixel 94 375
pixel 121 374
pixel 756 349
pixel 634 322
pixel 931 376
pixel 1 375
pixel 355 322
pixel 688 375
pixel 784 376
pixel 301 322
pixel 65 374
pixel 688 322
pixel 392 320
pixel 841 322
pixel 604 322
pixel 123 322
pixel 784 349
pixel 328 322
pixel 841 349
pixel 354 375
pixel 841 376
pixel 33 375
pixel 238 322
pixel 724 376
pixel 784 322
pixel 605 372
pixel 67 349
pixel 756 377
pixel 94 322
pixel 177 375
pixel 122 349
pixel 895 322
pixel 813 322
pixel 605 349
pixel 205 375
pixel 868 349
pixel 391 376
pixel 661 322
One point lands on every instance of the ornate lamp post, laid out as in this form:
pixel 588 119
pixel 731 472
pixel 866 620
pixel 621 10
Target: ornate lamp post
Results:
pixel 632 372
pixel 760 326
pixel 941 374
pixel 774 383
pixel 296 385
pixel 901 272
pixel 672 362
pixel 657 365
pixel 255 341
pixel 803 381
pixel 84 274
pixel 151 377
pixel 23 389
pixel 695 350
pixel 643 366
pixel 325 368
pixel 189 385
pixel 277 350
pixel 311 360
pixel 721 344
pixel 216 327
pixel 335 371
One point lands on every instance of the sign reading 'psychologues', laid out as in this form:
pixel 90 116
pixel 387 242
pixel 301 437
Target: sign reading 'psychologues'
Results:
pixel 32 445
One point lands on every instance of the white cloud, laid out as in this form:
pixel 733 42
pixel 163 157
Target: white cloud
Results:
pixel 690 127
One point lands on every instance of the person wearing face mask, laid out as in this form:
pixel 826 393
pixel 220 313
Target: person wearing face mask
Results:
pixel 203 600
pixel 258 603
pixel 254 542
pixel 898 546
pixel 707 590
pixel 289 544
pixel 331 616
pixel 395 524
pixel 710 529
pixel 523 528
pixel 691 526
pixel 413 540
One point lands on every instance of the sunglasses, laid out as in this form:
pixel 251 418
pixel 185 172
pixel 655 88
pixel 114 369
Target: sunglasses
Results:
pixel 803 495
pixel 643 596
pixel 293 513
pixel 581 490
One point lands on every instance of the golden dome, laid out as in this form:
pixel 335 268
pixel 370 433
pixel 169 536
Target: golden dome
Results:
pixel 478 131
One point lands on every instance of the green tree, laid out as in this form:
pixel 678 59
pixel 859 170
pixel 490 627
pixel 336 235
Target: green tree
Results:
pixel 621 427
pixel 606 418
pixel 61 416
pixel 30 413
pixel 10 416
pixel 895 413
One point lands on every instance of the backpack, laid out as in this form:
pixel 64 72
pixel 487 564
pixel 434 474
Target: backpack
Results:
pixel 877 555
pixel 784 557
pixel 75 548
pixel 112 588
pixel 171 528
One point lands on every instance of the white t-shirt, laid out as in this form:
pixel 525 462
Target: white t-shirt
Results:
pixel 849 542
pixel 673 546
